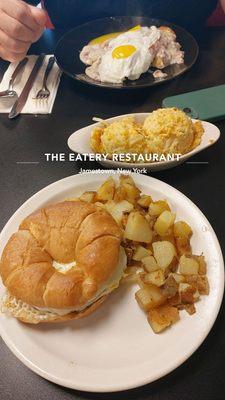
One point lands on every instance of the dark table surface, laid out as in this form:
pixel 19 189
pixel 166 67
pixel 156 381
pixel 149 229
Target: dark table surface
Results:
pixel 28 138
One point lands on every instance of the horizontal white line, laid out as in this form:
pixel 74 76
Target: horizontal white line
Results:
pixel 197 162
pixel 27 162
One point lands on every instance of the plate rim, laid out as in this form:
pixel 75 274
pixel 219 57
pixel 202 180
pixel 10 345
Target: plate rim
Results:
pixel 108 388
pixel 121 87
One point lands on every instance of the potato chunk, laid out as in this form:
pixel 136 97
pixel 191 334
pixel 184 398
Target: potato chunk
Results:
pixel 88 197
pixel 171 287
pixel 127 189
pixel 118 209
pixel 164 253
pixel 200 282
pixel 137 228
pixel 150 264
pixel 188 293
pixel 203 285
pixel 188 266
pixel 144 201
pixel 182 233
pixel 156 278
pixel 106 190
pixel 157 207
pixel 164 222
pixel 141 252
pixel 202 264
pixel 149 297
pixel 182 229
pixel 162 317
pixel 178 277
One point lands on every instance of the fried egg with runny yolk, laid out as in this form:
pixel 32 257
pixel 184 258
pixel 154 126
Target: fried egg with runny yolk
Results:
pixel 128 56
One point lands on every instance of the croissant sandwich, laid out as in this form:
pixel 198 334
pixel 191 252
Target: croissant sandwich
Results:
pixel 62 263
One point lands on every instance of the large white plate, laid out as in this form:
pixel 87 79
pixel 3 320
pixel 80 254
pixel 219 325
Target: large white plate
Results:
pixel 114 348
pixel 79 142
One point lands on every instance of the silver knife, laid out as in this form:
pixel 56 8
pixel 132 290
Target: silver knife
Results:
pixel 22 99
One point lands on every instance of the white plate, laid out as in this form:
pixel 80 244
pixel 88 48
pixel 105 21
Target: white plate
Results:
pixel 114 348
pixel 79 142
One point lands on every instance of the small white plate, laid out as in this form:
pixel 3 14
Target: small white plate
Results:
pixel 114 348
pixel 79 142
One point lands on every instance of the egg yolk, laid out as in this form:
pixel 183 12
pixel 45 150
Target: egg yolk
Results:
pixel 135 28
pixel 103 38
pixel 124 51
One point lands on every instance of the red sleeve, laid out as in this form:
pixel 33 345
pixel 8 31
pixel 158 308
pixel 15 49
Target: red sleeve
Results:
pixel 49 23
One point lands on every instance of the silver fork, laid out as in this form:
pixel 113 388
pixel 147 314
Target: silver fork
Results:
pixel 44 92
pixel 10 92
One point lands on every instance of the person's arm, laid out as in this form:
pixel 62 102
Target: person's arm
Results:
pixel 222 2
pixel 21 25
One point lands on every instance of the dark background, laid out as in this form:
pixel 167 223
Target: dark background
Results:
pixel 29 137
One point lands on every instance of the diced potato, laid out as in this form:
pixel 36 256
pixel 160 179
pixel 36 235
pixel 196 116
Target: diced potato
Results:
pixel 181 228
pixel 157 207
pixel 144 201
pixel 183 245
pixel 149 297
pixel 128 189
pixel 137 228
pixel 162 317
pixel 188 293
pixel 106 190
pixel 202 264
pixel 126 179
pixel 164 222
pixel 119 194
pixel 88 197
pixel 190 308
pixel 168 237
pixel 156 278
pixel 171 287
pixel 132 192
pixel 140 253
pixel 164 253
pixel 192 280
pixel 203 285
pixel 188 266
pixel 118 209
pixel 150 264
pixel 178 277
pixel 182 233
pixel 199 282
pixel 175 300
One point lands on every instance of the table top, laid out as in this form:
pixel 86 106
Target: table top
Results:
pixel 29 137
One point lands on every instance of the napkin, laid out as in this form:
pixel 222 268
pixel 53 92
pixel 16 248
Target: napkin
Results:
pixel 32 106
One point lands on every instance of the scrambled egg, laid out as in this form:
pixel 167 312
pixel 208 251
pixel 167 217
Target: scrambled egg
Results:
pixel 169 130
pixel 123 136
pixel 164 131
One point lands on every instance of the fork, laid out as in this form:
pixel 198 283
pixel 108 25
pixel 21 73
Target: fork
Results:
pixel 44 92
pixel 10 92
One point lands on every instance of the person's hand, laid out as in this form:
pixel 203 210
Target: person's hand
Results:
pixel 20 26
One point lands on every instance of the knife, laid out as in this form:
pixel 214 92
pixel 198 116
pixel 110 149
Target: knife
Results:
pixel 22 99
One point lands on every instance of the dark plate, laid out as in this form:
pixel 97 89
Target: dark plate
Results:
pixel 69 47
